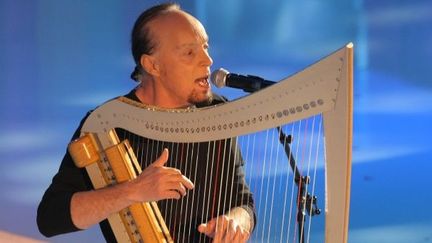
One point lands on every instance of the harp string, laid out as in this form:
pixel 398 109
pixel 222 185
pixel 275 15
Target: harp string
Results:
pixel 301 163
pixel 262 184
pixel 218 182
pixel 308 173
pixel 169 202
pixel 173 207
pixel 205 205
pixel 305 233
pixel 193 191
pixel 276 163
pixel 267 215
pixel 186 163
pixel 190 207
pixel 181 165
pixel 247 150
pixel 282 229
pixel 234 154
pixel 292 190
pixel 316 157
pixel 298 157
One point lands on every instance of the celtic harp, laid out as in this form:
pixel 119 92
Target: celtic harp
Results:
pixel 314 105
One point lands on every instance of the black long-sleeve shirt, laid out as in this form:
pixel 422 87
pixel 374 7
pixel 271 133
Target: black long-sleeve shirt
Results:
pixel 216 169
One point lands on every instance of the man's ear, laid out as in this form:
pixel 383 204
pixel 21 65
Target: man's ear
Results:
pixel 150 65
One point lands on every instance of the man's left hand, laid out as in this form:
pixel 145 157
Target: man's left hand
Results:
pixel 224 229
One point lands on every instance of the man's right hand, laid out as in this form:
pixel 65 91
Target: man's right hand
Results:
pixel 155 183
pixel 158 182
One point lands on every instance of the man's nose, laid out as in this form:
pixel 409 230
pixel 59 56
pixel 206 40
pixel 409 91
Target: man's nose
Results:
pixel 206 58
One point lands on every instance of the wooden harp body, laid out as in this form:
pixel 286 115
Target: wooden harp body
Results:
pixel 323 88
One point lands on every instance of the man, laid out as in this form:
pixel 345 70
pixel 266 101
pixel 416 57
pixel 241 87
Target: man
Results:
pixel 170 48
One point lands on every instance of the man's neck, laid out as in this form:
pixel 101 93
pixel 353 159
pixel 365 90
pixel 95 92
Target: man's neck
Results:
pixel 147 94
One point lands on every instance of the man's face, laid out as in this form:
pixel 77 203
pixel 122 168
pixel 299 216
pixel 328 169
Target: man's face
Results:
pixel 182 58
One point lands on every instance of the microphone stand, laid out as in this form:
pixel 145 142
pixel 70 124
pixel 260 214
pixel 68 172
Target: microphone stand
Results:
pixel 306 203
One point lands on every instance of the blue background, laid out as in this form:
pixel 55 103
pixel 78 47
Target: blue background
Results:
pixel 58 59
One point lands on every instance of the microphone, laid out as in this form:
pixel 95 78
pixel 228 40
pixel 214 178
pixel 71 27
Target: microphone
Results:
pixel 247 83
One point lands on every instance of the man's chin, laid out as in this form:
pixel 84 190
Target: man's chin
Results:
pixel 204 100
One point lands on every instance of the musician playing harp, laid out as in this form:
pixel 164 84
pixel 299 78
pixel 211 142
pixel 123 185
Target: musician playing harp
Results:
pixel 170 48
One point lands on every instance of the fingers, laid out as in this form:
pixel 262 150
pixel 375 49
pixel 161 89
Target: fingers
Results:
pixel 163 158
pixel 171 185
pixel 172 180
pixel 176 174
pixel 208 228
pixel 186 182
pixel 241 235
pixel 224 229
pixel 205 229
pixel 157 182
pixel 177 187
pixel 161 161
pixel 238 234
pixel 172 195
pixel 221 230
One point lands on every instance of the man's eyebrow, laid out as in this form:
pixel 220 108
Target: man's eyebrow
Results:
pixel 206 38
pixel 188 45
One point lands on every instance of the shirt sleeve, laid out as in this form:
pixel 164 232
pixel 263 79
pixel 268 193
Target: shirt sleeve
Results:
pixel 53 214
